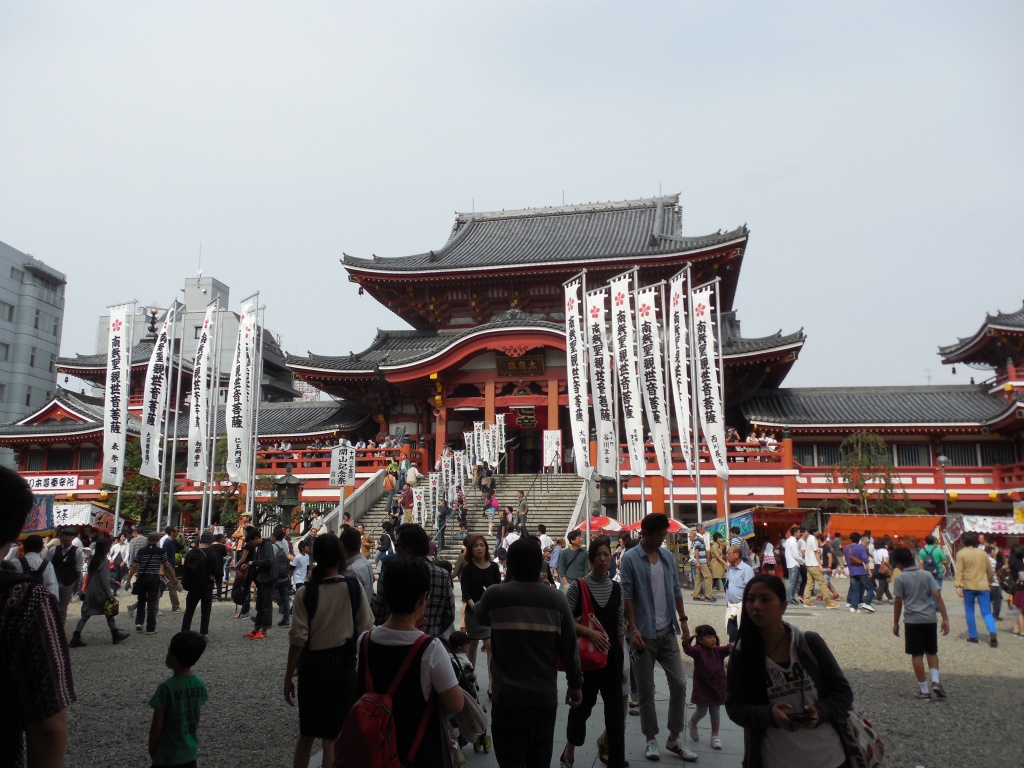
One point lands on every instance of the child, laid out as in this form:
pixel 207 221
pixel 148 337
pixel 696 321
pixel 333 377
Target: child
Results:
pixel 917 591
pixel 176 705
pixel 708 679
pixel 459 642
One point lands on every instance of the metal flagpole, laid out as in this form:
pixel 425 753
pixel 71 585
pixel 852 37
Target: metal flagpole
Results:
pixel 177 413
pixel 211 429
pixel 721 390
pixel 666 377
pixel 166 419
pixel 257 387
pixel 639 356
pixel 694 417
pixel 127 392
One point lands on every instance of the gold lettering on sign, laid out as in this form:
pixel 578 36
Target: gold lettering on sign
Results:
pixel 527 365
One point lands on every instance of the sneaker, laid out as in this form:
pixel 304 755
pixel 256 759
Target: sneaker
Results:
pixel 250 634
pixel 634 708
pixel 242 615
pixel 852 609
pixel 972 640
pixel 159 614
pixel 831 604
pixel 76 642
pixel 131 609
pixel 716 743
pixel 283 623
pixel 679 750
pixel 993 641
pixel 808 603
pixel 692 729
pixel 150 631
pixel 922 696
pixel 938 691
pixel 138 627
pixel 867 607
pixel 260 635
pixel 564 762
pixel 120 636
pixel 651 752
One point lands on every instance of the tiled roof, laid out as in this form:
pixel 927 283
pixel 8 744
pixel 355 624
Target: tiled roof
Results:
pixel 397 348
pixel 569 233
pixel 1007 320
pixel 962 404
pixel 141 353
pixel 735 344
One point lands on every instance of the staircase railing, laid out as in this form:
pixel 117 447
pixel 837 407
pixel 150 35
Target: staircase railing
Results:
pixel 364 497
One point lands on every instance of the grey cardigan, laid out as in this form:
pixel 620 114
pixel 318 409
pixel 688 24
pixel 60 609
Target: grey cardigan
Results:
pixel 746 701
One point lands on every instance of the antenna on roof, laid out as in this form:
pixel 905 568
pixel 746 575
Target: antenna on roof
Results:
pixel 199 272
pixel 563 197
pixel 659 189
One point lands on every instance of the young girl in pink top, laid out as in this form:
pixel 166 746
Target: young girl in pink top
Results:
pixel 708 679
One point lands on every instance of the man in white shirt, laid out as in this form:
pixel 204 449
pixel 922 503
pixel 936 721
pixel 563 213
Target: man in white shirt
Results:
pixel 356 565
pixel 546 541
pixel 301 563
pixel 791 548
pixel 814 573
pixel 35 563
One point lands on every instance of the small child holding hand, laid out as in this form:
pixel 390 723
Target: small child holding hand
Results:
pixel 708 679
pixel 176 705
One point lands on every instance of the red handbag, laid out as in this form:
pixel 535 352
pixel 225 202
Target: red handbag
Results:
pixel 591 658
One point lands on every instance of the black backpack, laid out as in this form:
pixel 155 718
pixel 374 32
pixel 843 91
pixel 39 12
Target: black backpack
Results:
pixel 929 561
pixel 282 564
pixel 37 574
pixel 195 570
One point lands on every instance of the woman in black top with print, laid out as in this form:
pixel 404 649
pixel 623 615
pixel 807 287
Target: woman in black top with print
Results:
pixel 478 574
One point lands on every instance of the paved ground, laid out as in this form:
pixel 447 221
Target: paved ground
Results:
pixel 247 723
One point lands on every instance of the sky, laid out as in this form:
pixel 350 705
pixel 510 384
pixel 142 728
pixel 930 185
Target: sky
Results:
pixel 873 148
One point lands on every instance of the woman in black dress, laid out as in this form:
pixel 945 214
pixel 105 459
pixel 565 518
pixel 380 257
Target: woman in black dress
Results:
pixel 478 574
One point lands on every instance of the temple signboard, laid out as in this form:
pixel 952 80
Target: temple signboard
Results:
pixel 532 365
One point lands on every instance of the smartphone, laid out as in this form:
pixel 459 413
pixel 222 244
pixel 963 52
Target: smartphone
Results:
pixel 800 717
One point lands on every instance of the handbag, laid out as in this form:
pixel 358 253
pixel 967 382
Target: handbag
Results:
pixel 111 608
pixel 472 720
pixel 591 658
pixel 884 569
pixel 864 748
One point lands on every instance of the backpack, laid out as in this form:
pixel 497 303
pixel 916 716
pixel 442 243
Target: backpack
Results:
pixel 195 570
pixel 282 564
pixel 368 738
pixel 240 588
pixel 930 563
pixel 37 574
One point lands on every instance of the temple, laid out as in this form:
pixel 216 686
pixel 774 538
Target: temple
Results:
pixel 487 337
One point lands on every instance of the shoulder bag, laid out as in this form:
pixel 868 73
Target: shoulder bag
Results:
pixel 591 658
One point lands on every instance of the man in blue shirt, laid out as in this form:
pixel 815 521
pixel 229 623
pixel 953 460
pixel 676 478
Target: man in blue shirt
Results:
pixel 653 603
pixel 736 579
pixel 860 585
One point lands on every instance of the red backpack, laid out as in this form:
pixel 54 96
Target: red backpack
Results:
pixel 368 738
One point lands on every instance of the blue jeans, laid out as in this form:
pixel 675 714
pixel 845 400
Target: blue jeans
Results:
pixel 793 583
pixel 861 591
pixel 281 593
pixel 984 602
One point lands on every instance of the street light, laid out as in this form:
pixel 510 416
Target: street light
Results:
pixel 943 461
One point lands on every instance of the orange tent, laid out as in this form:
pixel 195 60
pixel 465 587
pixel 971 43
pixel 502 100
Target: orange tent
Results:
pixel 896 526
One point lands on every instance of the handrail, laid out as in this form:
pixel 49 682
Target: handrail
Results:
pixel 361 500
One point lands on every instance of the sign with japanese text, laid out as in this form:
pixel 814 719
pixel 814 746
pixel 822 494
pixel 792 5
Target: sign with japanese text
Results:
pixel 552 449
pixel 709 395
pixel 678 363
pixel 499 422
pixel 509 367
pixel 419 504
pixel 115 401
pixel 52 483
pixel 240 396
pixel 343 466
pixel 576 370
pixel 652 375
pixel 625 368
pixel 154 399
pixel 601 384
pixel 198 418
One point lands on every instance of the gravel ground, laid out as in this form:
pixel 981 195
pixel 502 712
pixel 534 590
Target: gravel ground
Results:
pixel 246 721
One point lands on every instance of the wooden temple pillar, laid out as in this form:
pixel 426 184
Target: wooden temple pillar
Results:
pixel 489 402
pixel 553 404
pixel 440 433
pixel 789 496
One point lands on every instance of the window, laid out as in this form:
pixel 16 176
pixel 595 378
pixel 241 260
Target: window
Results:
pixel 35 323
pixel 32 358
pixel 6 311
pixel 56 326
pixel 28 396
pixel 961 454
pixel 996 453
pixel 3 393
pixel 61 459
pixel 199 330
pixel 35 461
pixel 87 458
pixel 53 361
pixel 5 352
pixel 828 455
pixel 803 454
pixel 912 455
pixel 17 275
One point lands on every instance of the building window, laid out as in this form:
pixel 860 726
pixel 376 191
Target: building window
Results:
pixel 87 458
pixel 32 358
pixel 803 454
pixel 53 361
pixel 6 311
pixel 996 453
pixel 199 330
pixel 35 323
pixel 56 326
pixel 35 461
pixel 5 352
pixel 828 455
pixel 961 454
pixel 3 393
pixel 61 459
pixel 17 275
pixel 912 455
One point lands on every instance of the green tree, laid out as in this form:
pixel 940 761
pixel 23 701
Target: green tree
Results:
pixel 865 460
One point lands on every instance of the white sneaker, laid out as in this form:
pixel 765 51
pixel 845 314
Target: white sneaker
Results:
pixel 716 743
pixel 853 610
pixel 867 607
pixel 694 735
pixel 679 750
pixel 652 752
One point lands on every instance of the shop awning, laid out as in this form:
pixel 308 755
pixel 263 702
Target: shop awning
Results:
pixel 999 526
pixel 901 526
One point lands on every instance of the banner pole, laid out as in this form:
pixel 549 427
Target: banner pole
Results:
pixel 667 383
pixel 639 357
pixel 162 456
pixel 721 391
pixel 692 354
pixel 177 413
pixel 257 387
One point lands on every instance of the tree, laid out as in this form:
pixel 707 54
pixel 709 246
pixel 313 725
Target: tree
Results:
pixel 139 494
pixel 864 459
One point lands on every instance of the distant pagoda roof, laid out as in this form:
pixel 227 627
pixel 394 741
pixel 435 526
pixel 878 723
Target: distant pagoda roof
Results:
pixel 1000 336
pixel 567 235
pixel 937 406
pixel 141 353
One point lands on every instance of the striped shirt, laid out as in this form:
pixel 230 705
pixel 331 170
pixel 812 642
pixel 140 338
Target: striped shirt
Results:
pixel 600 592
pixel 151 560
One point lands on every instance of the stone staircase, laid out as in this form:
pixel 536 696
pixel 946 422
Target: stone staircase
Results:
pixel 552 499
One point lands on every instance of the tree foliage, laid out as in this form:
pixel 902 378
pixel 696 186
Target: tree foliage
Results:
pixel 865 466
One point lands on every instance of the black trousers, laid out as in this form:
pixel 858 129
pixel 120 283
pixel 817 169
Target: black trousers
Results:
pixel 147 587
pixel 204 597
pixel 524 736
pixel 607 682
pixel 264 605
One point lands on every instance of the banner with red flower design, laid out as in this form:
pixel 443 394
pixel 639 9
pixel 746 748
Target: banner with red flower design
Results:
pixel 198 416
pixel 625 366
pixel 709 394
pixel 240 395
pixel 601 382
pixel 678 363
pixel 115 401
pixel 579 405
pixel 652 378
pixel 154 395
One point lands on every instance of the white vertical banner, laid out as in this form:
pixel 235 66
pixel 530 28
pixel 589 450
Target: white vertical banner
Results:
pixel 491 435
pixel 470 458
pixel 115 401
pixel 419 504
pixel 625 368
pixel 198 441
pixel 576 362
pixel 155 400
pixel 652 374
pixel 239 410
pixel 343 466
pixel 478 441
pixel 499 422
pixel 552 448
pixel 601 384
pixel 708 391
pixel 679 357
pixel 460 470
pixel 434 496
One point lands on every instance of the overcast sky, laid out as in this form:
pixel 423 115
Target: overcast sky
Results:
pixel 873 148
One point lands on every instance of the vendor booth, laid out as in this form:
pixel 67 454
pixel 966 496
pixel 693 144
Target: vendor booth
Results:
pixel 896 527
pixel 1002 531
pixel 83 514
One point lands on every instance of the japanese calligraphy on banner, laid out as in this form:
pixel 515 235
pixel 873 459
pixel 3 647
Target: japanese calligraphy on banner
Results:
pixel 478 442
pixel 653 379
pixel 552 448
pixel 434 481
pixel 470 458
pixel 709 396
pixel 198 445
pixel 155 400
pixel 625 367
pixel 240 388
pixel 601 387
pixel 52 483
pixel 499 423
pixel 678 362
pixel 576 362
pixel 491 435
pixel 40 519
pixel 419 504
pixel 460 468
pixel 83 514
pixel 115 402
pixel 343 466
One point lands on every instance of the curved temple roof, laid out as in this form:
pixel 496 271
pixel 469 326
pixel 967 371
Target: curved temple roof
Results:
pixel 970 348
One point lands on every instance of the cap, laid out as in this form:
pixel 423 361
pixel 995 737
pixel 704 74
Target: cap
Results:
pixel 206 538
pixel 68 532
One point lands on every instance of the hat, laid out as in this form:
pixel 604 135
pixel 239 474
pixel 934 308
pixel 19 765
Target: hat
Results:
pixel 206 538
pixel 68 532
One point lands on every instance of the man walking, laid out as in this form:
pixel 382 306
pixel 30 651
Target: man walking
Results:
pixel 653 602
pixel 791 549
pixel 169 544
pixel 973 577
pixel 67 564
pixel 531 629
pixel 861 589
pixel 572 562
pixel 356 565
pixel 522 510
pixel 439 613
pixel 283 569
pixel 150 564
pixel 198 572
pixel 263 569
pixel 703 571
pixel 736 579
pixel 814 574
pixel 914 591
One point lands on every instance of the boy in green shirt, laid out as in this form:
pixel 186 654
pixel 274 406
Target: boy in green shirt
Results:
pixel 176 705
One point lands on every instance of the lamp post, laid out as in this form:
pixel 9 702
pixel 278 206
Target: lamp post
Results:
pixel 943 461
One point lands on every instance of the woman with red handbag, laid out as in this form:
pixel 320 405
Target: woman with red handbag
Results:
pixel 597 608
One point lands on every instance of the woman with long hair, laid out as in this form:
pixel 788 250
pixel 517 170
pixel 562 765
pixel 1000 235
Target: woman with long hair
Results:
pixel 98 592
pixel 329 613
pixel 784 686
pixel 607 605
pixel 479 573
